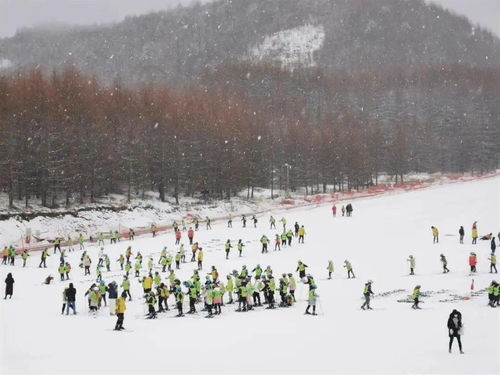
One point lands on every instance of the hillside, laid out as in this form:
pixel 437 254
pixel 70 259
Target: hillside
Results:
pixel 176 46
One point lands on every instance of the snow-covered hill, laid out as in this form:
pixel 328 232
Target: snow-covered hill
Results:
pixel 391 339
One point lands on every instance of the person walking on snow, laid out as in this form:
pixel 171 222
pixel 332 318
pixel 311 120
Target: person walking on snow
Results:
pixel 461 233
pixel 445 263
pixel 455 329
pixel 474 233
pixel 240 247
pixel 343 210
pixel 120 311
pixel 348 267
pixel 493 245
pixel 311 300
pixel 9 286
pixel 301 269
pixel 283 221
pixel 244 221
pixel 264 241
pixel 493 263
pixel 190 235
pixel 330 269
pixel 411 260
pixel 472 262
pixel 435 234
pixel 254 219
pixel 272 222
pixel 367 293
pixel 227 248
pixel 414 297
pixel 302 233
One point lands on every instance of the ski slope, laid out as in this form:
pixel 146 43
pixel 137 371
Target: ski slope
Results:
pixel 391 339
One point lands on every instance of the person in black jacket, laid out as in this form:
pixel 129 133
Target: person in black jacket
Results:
pixel 493 245
pixel 9 286
pixel 461 232
pixel 70 298
pixel 112 296
pixel 455 329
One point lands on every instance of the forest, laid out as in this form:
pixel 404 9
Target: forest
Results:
pixel 66 137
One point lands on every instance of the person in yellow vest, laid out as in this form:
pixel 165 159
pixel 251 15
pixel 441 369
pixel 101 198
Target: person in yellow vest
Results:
pixel 200 258
pixel 147 283
pixel 120 311
pixel 474 233
pixel 414 297
pixel 25 255
pixel 330 269
pixel 435 234
pixel 302 233
pixel 493 262
pixel 5 254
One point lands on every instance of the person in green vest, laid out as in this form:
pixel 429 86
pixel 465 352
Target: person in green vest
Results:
pixel 209 300
pixel 171 277
pixel 258 286
pixel 242 302
pixel 271 289
pixel 289 237
pixel 193 296
pixel 68 270
pixel 177 260
pixel 491 293
pixel 100 239
pixel 80 240
pixel 163 294
pixel 137 268
pixel 150 265
pixel 107 262
pixel 240 247
pixel 301 269
pixel 348 267
pixel 200 258
pixel 25 255
pixel 264 241
pixel 227 248
pixel 283 288
pixel 283 238
pixel 98 273
pixel 330 269
pixel 196 222
pixel 208 221
pixel 44 255
pixel 163 263
pixel 257 270
pixel 69 243
pixel 179 298
pixel 151 301
pixel 367 293
pixel 217 299
pixel 493 263
pixel 414 297
pixel 311 300
pixel 272 222
pixel 230 288
pixel 292 285
pixel 102 292
pixel 128 267
pixel 121 261
pixel 117 236
pixel 283 221
pixel 57 244
pixel 157 279
pixel 62 271
pixel 496 295
pixel 126 287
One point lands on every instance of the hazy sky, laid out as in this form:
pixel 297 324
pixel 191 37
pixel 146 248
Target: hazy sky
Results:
pixel 15 14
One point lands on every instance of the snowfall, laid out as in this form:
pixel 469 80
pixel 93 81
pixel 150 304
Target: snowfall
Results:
pixel 377 240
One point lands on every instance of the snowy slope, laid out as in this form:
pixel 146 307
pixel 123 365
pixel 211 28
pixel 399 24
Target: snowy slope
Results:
pixel 391 339
pixel 292 47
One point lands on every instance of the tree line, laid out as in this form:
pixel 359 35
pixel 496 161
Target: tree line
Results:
pixel 66 137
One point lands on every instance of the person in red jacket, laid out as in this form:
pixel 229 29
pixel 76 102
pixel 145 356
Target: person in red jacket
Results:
pixel 177 237
pixel 190 235
pixel 334 210
pixel 472 262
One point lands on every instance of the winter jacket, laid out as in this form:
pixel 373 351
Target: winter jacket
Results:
pixel 454 323
pixel 112 292
pixel 9 284
pixel 70 293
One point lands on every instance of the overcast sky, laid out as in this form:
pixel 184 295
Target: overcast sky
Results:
pixel 15 14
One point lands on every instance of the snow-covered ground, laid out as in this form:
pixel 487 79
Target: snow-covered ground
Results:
pixel 391 339
pixel 291 47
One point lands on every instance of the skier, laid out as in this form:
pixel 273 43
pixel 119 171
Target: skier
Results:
pixel 112 290
pixel 25 255
pixel 472 262
pixel 57 244
pixel 311 300
pixel 126 287
pixel 179 298
pixel 414 297
pixel 240 247
pixel 271 285
pixel 147 283
pixel 435 234
pixel 217 299
pixel 44 255
pixel 461 232
pixel 272 222
pixel 283 238
pixel 474 233
pixel 492 293
pixel 9 286
pixel 151 301
pixel 277 242
pixel 301 269
pixel 190 235
pixel 455 329
pixel 70 294
pixel 493 262
pixel 100 239
pixel 254 219
pixel 62 270
pixel 177 260
pixel 230 288
pixel 264 241
pixel 330 269
pixel 227 247
pixel 120 311
pixel 348 267
pixel 411 260
pixel 121 261
pixel 194 249
pixel 86 264
pixel 289 237
pixel 200 258
pixel 367 293
pixel 445 263
pixel 301 233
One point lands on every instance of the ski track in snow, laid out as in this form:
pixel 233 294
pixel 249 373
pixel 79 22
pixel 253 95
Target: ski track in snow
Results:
pixel 391 339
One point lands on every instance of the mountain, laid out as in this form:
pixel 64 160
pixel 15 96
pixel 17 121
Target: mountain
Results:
pixel 335 35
